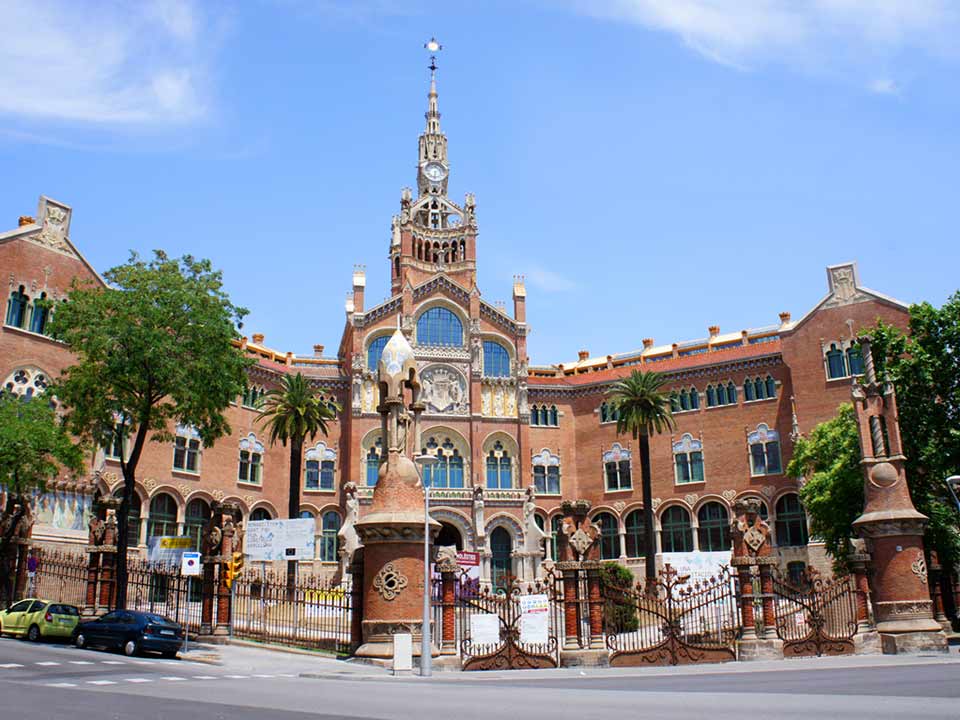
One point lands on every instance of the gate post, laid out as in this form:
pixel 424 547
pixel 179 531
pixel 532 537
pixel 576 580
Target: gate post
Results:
pixel 936 592
pixel 751 548
pixel 108 558
pixel 211 543
pixel 891 524
pixel 448 602
pixel 228 543
pixel 858 561
pixel 356 600
pixel 93 573
pixel 766 593
pixel 595 602
pixel 745 587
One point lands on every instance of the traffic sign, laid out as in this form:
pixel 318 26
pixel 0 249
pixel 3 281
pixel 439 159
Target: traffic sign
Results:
pixel 190 564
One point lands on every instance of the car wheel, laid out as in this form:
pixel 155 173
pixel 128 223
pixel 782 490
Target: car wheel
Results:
pixel 80 640
pixel 130 647
pixel 33 634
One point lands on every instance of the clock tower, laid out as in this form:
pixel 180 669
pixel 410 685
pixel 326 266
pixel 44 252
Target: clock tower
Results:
pixel 432 234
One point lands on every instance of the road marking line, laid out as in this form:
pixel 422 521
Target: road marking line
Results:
pixel 142 662
pixel 101 682
pixel 113 662
pixel 61 684
pixel 10 665
pixel 138 680
pixel 173 679
pixel 237 677
pixel 204 677
pixel 264 676
pixel 286 675
pixel 81 662
pixel 48 662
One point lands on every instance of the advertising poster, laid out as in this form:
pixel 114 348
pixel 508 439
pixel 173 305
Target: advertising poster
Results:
pixel 268 540
pixel 534 619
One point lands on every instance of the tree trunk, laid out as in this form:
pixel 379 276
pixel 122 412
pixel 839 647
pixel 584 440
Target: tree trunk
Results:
pixel 650 540
pixel 123 539
pixel 7 585
pixel 293 509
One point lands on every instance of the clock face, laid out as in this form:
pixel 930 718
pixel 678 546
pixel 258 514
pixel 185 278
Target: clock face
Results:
pixel 434 171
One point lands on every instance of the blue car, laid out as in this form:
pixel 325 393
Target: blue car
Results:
pixel 132 631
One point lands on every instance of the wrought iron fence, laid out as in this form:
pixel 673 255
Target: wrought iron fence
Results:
pixel 816 616
pixel 314 613
pixel 60 577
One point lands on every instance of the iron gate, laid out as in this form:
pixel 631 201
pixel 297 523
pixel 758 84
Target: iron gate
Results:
pixel 675 622
pixel 817 616
pixel 509 652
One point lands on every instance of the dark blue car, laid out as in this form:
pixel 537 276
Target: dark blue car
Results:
pixel 131 631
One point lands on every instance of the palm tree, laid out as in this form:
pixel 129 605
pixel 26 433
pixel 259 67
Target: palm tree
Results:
pixel 293 412
pixel 643 408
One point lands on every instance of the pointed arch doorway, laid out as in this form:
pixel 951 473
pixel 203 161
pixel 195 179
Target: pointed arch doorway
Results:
pixel 501 564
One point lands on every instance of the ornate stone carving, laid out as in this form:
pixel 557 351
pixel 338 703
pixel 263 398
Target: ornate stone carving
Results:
pixel 691 499
pixel 184 489
pixel 655 503
pixel 580 541
pixel 619 506
pixel 729 495
pixel 768 491
pixel 150 483
pixel 919 567
pixel 444 390
pixel 390 582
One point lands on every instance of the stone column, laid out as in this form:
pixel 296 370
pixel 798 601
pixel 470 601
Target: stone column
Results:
pixel 858 562
pixel 936 592
pixel 891 524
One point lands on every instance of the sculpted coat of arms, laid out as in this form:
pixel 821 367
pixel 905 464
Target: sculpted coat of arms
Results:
pixel 444 390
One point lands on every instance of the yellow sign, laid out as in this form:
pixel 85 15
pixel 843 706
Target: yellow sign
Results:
pixel 176 543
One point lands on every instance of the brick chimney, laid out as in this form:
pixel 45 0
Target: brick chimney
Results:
pixel 784 318
pixel 647 343
pixel 714 330
pixel 318 350
pixel 583 355
pixel 359 283
pixel 519 299
pixel 258 338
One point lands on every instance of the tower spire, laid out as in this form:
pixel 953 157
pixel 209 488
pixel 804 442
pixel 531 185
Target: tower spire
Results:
pixel 432 162
pixel 433 109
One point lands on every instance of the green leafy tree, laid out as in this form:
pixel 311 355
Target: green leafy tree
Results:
pixel 643 408
pixel 924 366
pixel 152 351
pixel 619 600
pixel 34 448
pixel 292 413
pixel 829 459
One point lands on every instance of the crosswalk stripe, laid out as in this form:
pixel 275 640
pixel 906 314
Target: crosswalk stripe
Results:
pixel 80 662
pixel 144 662
pixel 11 665
pixel 264 676
pixel 138 680
pixel 204 677
pixel 286 675
pixel 237 677
pixel 101 682
pixel 113 662
pixel 61 684
pixel 173 679
pixel 48 663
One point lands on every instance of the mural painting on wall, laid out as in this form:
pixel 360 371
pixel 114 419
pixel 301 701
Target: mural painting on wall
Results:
pixel 63 510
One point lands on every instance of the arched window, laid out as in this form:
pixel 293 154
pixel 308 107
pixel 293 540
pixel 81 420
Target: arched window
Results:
pixel 721 395
pixel 253 396
pixel 608 412
pixel 163 516
pixel 439 326
pixel 448 471
pixel 714 529
pixel 17 308
pixel 854 360
pixel 759 389
pixel 372 462
pixel 198 514
pixel 711 396
pixel 636 534
pixel 260 514
pixel 554 418
pixel 330 526
pixel 674 402
pixel 764 451
pixel 676 534
pixel 791 521
pixel 688 460
pixel 319 467
pixel 40 315
pixel 375 350
pixel 496 360
pixel 186 450
pixel 835 366
pixel 556 522
pixel 25 382
pixel 133 517
pixel 546 473
pixel 499 467
pixel 250 468
pixel 771 387
pixel 731 393
pixel 609 536
pixel 616 467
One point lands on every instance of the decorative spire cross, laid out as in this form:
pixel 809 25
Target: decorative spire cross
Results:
pixel 434 47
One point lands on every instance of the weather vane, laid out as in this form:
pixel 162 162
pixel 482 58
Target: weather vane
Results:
pixel 434 47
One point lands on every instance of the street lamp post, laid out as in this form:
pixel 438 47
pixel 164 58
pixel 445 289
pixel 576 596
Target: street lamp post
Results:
pixel 426 658
pixel 953 484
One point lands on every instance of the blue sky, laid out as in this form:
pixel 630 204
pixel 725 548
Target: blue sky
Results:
pixel 653 166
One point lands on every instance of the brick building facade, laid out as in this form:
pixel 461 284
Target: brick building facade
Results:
pixel 499 425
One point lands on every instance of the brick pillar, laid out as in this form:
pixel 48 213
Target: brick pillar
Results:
pixel 571 607
pixel 108 560
pixel 936 591
pixel 207 586
pixel 93 573
pixel 595 601
pixel 210 543
pixel 858 567
pixel 746 600
pixel 449 571
pixel 224 596
pixel 766 589
pixel 356 599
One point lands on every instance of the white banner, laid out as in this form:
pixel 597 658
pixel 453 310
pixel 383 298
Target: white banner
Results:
pixel 698 565
pixel 267 540
pixel 534 619
pixel 485 629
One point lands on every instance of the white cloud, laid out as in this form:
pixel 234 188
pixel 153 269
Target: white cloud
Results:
pixel 884 86
pixel 102 62
pixel 549 281
pixel 825 34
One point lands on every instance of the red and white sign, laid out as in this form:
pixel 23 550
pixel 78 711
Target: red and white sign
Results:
pixel 466 559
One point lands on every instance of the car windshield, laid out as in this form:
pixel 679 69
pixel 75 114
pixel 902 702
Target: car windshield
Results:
pixel 150 617
pixel 64 610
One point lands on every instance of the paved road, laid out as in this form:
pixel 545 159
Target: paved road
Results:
pixel 53 682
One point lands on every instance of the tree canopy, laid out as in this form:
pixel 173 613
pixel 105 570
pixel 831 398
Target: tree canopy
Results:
pixel 152 351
